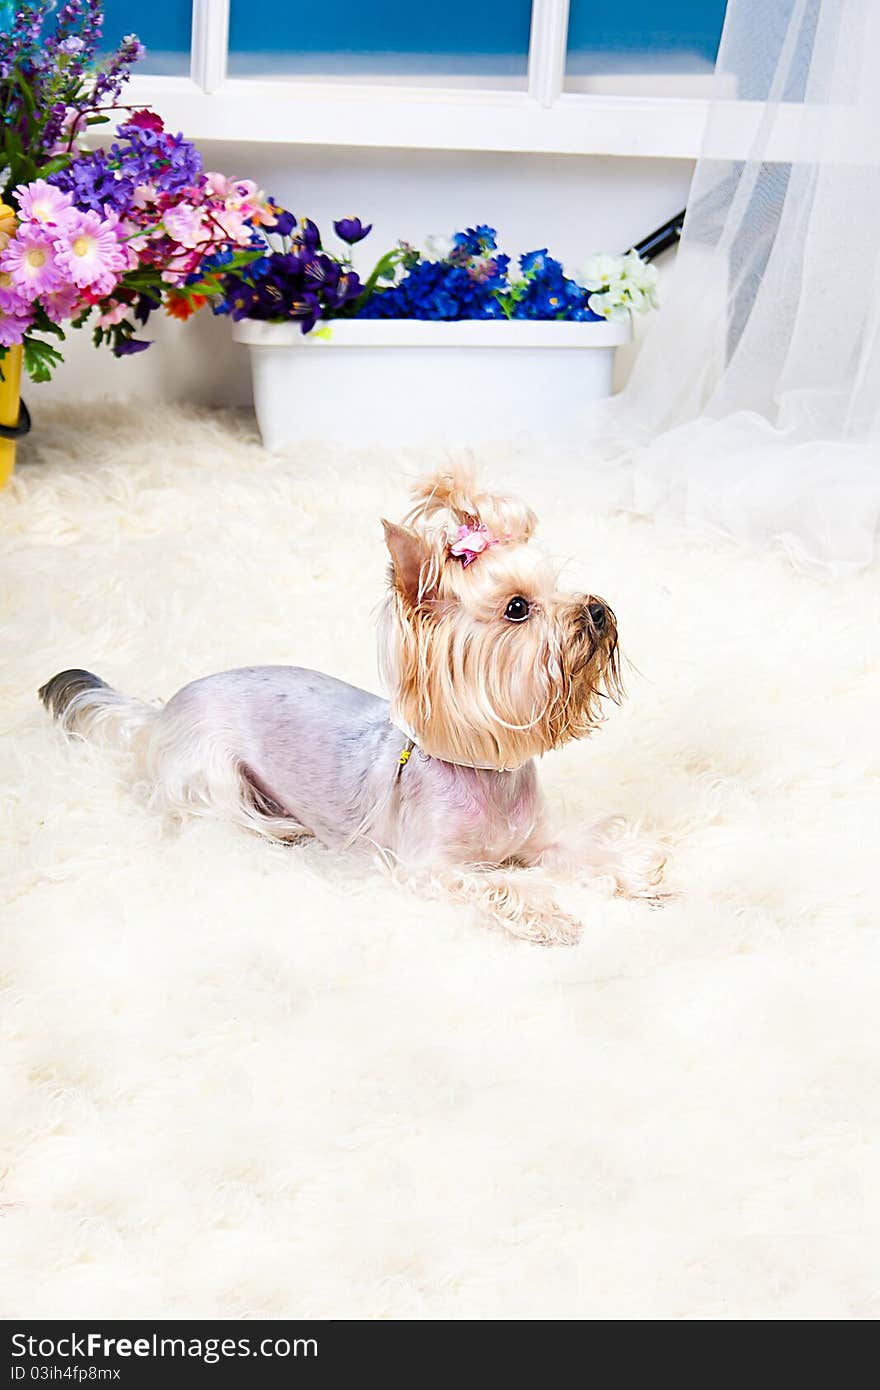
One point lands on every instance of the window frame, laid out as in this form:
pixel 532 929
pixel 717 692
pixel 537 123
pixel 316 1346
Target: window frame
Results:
pixel 542 119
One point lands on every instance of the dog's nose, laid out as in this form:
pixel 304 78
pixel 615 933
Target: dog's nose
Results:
pixel 596 610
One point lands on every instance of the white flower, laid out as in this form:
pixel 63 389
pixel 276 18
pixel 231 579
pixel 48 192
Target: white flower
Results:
pixel 612 305
pixel 641 276
pixel 602 271
pixel 620 285
pixel 439 248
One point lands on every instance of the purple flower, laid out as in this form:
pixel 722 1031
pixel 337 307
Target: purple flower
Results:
pixel 283 225
pixel 93 185
pixel 307 309
pixel 351 229
pixel 301 283
pixel 347 288
pixel 127 347
pixel 321 273
pixel 113 76
pixel 108 179
pixel 306 238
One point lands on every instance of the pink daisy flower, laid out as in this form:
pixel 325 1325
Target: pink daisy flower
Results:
pixel 11 299
pixel 88 250
pixel 41 202
pixel 14 326
pixel 62 303
pixel 30 260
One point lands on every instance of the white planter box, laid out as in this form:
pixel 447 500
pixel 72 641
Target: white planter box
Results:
pixel 408 382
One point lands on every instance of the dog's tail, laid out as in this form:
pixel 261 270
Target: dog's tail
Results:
pixel 85 705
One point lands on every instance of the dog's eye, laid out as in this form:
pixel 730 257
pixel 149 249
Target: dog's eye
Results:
pixel 517 610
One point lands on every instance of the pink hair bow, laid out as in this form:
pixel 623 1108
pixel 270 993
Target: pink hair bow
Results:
pixel 471 542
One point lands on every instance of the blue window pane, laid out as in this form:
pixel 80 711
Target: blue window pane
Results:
pixel 382 38
pixel 643 36
pixel 164 26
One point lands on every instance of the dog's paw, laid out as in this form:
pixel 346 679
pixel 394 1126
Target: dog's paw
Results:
pixel 531 915
pixel 632 862
pixel 552 928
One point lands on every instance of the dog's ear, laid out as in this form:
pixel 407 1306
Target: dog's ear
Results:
pixel 411 564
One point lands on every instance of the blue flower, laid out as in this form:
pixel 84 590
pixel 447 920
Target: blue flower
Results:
pixel 539 265
pixel 434 290
pixel 476 241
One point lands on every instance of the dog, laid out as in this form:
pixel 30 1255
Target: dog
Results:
pixel 488 666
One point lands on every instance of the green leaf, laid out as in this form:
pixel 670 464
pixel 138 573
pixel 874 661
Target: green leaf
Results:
pixel 384 269
pixel 26 92
pixel 54 166
pixel 240 259
pixel 43 324
pixel 40 359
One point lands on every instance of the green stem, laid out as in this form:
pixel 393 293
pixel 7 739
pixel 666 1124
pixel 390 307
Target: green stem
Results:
pixel 383 270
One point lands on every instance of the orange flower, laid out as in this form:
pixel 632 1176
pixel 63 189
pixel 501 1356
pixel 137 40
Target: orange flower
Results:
pixel 7 224
pixel 181 306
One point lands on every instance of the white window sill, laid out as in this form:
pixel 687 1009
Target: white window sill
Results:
pixel 426 117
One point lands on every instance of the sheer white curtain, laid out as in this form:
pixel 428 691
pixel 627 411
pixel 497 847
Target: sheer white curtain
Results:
pixel 754 406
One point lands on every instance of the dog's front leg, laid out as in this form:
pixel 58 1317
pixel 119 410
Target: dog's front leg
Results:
pixel 613 853
pixel 519 901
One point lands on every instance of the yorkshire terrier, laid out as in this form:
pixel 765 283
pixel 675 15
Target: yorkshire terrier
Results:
pixel 488 666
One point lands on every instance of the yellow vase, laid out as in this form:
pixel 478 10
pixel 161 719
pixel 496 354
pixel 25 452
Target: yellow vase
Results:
pixel 10 405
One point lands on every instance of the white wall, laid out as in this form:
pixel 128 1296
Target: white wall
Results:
pixel 572 204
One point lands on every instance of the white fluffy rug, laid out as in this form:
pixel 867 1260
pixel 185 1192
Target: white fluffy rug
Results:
pixel 246 1080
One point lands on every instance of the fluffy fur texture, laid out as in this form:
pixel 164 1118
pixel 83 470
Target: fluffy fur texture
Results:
pixel 240 1078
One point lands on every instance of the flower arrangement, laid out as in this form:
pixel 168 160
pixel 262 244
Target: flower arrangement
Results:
pixel 464 277
pixel 113 234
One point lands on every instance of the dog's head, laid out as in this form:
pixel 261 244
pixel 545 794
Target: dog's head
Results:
pixel 486 661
